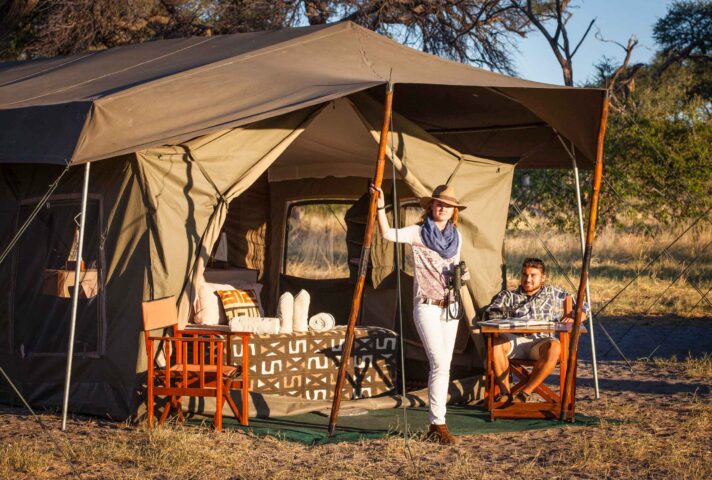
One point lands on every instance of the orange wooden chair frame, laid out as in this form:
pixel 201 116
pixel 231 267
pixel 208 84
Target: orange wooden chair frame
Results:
pixel 194 365
pixel 550 407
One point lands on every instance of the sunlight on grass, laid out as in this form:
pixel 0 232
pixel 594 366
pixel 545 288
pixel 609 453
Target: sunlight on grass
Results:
pixel 700 367
pixel 23 456
pixel 669 285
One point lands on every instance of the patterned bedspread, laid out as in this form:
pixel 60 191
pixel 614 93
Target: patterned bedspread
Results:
pixel 306 364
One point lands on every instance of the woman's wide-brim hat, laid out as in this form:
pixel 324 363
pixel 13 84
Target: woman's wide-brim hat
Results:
pixel 444 194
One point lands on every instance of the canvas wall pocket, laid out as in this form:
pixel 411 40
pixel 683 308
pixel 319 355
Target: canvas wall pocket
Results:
pixel 239 303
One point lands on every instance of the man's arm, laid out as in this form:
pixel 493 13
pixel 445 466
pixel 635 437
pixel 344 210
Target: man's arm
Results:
pixel 499 306
pixel 585 304
pixel 561 295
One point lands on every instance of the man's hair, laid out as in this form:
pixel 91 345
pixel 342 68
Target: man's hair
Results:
pixel 534 263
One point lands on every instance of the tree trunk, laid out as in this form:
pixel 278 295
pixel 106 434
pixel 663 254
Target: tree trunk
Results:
pixel 317 12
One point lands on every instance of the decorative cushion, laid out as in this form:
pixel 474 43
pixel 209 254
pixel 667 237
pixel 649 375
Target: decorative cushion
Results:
pixel 240 303
pixel 301 311
pixel 207 307
pixel 285 312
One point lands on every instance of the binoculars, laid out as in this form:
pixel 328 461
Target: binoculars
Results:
pixel 459 270
pixel 455 285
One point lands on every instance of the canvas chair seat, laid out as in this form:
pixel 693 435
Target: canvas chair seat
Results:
pixel 228 371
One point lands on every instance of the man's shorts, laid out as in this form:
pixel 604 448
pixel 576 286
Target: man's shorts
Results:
pixel 525 347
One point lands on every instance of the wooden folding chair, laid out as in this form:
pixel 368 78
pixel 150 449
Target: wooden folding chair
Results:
pixel 520 368
pixel 193 364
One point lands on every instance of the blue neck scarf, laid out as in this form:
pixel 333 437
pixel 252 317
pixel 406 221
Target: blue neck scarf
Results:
pixel 445 242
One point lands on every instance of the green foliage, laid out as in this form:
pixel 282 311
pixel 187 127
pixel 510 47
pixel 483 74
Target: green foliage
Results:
pixel 687 25
pixel 685 34
pixel 547 196
pixel 658 149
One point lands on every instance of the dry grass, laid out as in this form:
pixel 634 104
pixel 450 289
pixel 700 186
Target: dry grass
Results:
pixel 317 249
pixel 617 258
pixel 660 436
pixel 699 367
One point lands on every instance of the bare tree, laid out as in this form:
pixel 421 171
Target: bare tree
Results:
pixel 543 12
pixel 479 32
pixel 685 35
pixel 619 80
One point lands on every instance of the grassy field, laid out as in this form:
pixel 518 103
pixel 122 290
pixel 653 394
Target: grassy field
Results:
pixel 669 285
pixel 636 271
pixel 644 434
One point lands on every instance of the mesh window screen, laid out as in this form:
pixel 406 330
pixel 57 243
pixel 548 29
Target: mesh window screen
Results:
pixel 316 240
pixel 43 274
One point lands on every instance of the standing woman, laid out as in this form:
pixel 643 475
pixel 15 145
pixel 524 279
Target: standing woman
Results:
pixel 435 243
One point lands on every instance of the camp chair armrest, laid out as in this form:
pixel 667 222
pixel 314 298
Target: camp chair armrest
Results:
pixel 206 331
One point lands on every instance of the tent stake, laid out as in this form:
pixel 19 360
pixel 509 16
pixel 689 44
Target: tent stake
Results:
pixel 567 394
pixel 363 262
pixel 75 298
pixel 588 285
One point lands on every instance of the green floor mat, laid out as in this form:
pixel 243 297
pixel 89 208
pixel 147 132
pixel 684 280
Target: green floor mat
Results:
pixel 311 428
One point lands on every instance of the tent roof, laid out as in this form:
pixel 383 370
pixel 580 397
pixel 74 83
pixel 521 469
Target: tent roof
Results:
pixel 97 105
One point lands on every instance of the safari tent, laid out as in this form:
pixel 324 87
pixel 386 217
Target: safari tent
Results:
pixel 189 138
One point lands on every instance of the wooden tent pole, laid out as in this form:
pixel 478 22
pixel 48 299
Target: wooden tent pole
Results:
pixel 568 392
pixel 363 262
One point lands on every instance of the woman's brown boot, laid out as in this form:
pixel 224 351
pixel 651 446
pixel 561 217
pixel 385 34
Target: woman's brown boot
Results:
pixel 440 434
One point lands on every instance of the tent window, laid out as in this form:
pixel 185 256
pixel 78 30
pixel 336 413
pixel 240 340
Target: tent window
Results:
pixel 43 279
pixel 315 246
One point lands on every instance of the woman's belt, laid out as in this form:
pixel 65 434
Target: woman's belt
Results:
pixel 432 301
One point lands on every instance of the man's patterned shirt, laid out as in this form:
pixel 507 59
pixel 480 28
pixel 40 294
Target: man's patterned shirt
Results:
pixel 547 304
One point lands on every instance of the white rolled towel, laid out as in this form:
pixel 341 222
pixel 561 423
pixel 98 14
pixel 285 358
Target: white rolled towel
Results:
pixel 322 322
pixel 301 311
pixel 285 312
pixel 263 325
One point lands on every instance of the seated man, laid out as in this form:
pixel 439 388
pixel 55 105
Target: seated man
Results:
pixel 536 300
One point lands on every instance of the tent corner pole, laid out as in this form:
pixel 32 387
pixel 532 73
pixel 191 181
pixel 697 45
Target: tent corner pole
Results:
pixel 588 285
pixel 568 390
pixel 363 262
pixel 75 297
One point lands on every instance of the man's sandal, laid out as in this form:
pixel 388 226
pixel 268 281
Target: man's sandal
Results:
pixel 520 397
pixel 503 397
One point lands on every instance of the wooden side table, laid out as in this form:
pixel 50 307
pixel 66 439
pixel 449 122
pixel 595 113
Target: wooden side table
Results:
pixel 550 407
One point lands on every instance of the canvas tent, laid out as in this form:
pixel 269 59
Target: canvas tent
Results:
pixel 191 137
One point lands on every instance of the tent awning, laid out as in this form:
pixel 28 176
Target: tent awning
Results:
pixel 98 105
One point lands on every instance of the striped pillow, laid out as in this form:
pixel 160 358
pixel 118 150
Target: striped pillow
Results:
pixel 240 303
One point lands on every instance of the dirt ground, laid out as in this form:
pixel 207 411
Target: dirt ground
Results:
pixel 657 424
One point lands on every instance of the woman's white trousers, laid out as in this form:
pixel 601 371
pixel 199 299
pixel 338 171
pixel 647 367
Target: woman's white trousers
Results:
pixel 438 337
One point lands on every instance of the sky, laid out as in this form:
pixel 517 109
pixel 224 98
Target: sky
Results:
pixel 616 19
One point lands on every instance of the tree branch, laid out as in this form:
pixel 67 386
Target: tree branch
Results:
pixel 583 37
